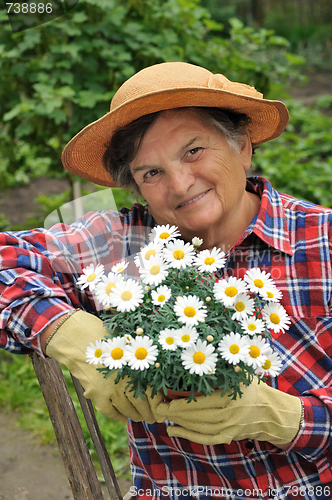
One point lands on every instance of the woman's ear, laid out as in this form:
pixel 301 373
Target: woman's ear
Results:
pixel 246 150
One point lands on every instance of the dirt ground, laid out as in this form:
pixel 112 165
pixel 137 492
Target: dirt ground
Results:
pixel 29 471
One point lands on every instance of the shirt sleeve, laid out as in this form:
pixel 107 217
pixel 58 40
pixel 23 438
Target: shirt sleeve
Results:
pixel 39 270
pixel 35 287
pixel 315 434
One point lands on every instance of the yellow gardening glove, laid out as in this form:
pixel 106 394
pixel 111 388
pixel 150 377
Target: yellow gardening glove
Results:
pixel 262 413
pixel 68 346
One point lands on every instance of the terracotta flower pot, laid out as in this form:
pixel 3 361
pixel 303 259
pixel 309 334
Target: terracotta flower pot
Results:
pixel 179 395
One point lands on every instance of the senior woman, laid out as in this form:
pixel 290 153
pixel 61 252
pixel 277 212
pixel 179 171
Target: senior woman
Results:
pixel 184 138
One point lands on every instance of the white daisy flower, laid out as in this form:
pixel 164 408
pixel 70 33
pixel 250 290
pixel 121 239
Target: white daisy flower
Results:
pixel 167 339
pixel 164 233
pixel 273 294
pixel 226 290
pixel 196 241
pixel 252 325
pixel 127 295
pixel 257 351
pixel 186 336
pixel 276 317
pixel 244 306
pixel 120 267
pixel 141 353
pixel 113 355
pixel 91 276
pixel 161 295
pixel 104 288
pixel 155 271
pixel 179 254
pixel 210 260
pixel 234 348
pixel 271 366
pixel 199 358
pixel 258 281
pixel 94 352
pixel 151 250
pixel 190 310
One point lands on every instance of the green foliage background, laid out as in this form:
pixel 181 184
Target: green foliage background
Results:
pixel 58 77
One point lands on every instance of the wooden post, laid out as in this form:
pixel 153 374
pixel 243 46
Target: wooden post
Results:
pixel 74 450
pixel 102 453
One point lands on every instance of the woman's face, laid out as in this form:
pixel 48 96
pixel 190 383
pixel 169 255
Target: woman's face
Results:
pixel 189 175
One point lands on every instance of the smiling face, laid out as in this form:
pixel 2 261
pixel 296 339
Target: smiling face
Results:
pixel 191 178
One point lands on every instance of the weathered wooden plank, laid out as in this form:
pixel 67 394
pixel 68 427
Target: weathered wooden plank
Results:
pixel 72 445
pixel 102 453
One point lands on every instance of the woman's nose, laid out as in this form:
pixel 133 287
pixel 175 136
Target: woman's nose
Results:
pixel 180 180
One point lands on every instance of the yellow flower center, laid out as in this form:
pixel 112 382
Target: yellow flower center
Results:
pixel 91 277
pixel 234 349
pixel 155 270
pixel 252 327
pixel 270 295
pixel 98 353
pixel 117 353
pixel 185 338
pixel 259 283
pixel 209 261
pixel 198 358
pixel 239 306
pixel 109 288
pixel 267 364
pixel 169 340
pixel 161 298
pixel 164 236
pixel 120 269
pixel 141 353
pixel 126 295
pixel 231 291
pixel 149 253
pixel 189 311
pixel 254 352
pixel 274 318
pixel 178 254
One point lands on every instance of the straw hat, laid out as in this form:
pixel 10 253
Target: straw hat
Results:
pixel 166 86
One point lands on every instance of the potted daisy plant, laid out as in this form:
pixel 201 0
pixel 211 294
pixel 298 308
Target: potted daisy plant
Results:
pixel 177 327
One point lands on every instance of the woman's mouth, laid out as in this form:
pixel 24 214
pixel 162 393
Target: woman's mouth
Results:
pixel 193 199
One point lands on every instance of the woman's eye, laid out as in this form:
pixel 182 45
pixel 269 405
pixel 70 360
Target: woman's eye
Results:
pixel 151 173
pixel 193 151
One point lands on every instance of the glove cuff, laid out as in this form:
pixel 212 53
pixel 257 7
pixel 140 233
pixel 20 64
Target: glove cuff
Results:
pixel 69 340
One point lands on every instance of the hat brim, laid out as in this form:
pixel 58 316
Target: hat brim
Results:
pixel 83 155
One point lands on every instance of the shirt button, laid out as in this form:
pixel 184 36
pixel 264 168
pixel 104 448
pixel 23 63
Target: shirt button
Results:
pixel 250 445
pixel 27 332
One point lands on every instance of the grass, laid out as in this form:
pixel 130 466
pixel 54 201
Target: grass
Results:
pixel 20 393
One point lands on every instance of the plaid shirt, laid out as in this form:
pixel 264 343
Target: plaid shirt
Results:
pixel 288 238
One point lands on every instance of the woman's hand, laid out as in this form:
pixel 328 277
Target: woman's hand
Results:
pixel 262 413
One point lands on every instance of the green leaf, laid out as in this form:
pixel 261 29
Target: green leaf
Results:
pixel 278 40
pixel 235 23
pixel 294 59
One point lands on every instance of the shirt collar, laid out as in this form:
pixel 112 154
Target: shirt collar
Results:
pixel 270 224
